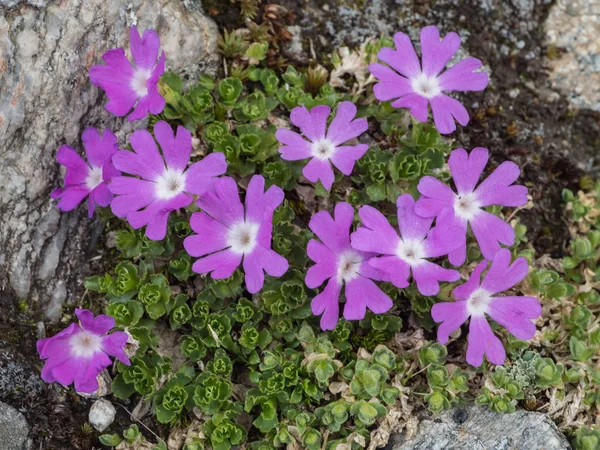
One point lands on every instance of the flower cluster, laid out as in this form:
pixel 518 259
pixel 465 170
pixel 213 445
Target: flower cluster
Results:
pixel 160 175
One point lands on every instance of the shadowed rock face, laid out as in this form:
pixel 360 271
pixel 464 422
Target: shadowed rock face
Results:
pixel 14 431
pixel 478 428
pixel 46 100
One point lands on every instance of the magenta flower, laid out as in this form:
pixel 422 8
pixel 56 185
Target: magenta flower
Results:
pixel 130 85
pixel 325 146
pixel 87 179
pixel 337 262
pixel 80 352
pixel 165 184
pixel 417 85
pixel 475 299
pixel 451 209
pixel 407 252
pixel 228 236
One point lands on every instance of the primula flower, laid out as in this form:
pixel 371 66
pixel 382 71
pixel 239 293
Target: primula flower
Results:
pixel 90 178
pixel 339 263
pixel 408 251
pixel 130 85
pixel 451 209
pixel 476 298
pixel 80 352
pixel 228 235
pixel 165 185
pixel 416 85
pixel 325 146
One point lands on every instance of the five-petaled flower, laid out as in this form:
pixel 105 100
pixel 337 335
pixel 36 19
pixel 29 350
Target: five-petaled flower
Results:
pixel 342 265
pixel 129 85
pixel 407 252
pixel 228 235
pixel 476 298
pixel 415 85
pixel 325 146
pixel 165 184
pixel 84 179
pixel 451 209
pixel 80 352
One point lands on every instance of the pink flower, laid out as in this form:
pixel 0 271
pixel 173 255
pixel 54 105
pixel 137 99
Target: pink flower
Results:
pixel 407 252
pixel 228 236
pixel 132 85
pixel 451 209
pixel 85 179
pixel 417 85
pixel 475 299
pixel 79 353
pixel 165 184
pixel 325 146
pixel 339 263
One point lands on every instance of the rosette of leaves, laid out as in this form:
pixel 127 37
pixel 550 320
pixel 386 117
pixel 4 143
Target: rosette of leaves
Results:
pixel 367 412
pixel 193 108
pixel 334 415
pixel 223 432
pixel 192 348
pixel 181 268
pixel 175 396
pixel 368 379
pixel 221 364
pixel 255 106
pixel 211 392
pixel 227 287
pixel 243 310
pixel 127 313
pixel 180 312
pixel 229 90
pixel 156 296
pixel 251 337
pixel 141 376
pixel 215 132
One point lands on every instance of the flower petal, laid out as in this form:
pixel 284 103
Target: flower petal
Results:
pixel 202 175
pixel 362 293
pixel 515 314
pixel 114 345
pixel 145 161
pixel 295 147
pixel 221 264
pixel 451 315
pixel 445 109
pixel 466 168
pixel 490 230
pixel 144 50
pixel 394 270
pixel 344 127
pixel 403 59
pixel 176 149
pixel 417 104
pixel 325 267
pixel 115 79
pixel 313 123
pixel 334 233
pixel 427 275
pixel 344 157
pixel 411 225
pixel 377 236
pixel 497 190
pixel 461 77
pixel 435 54
pixel 224 205
pixel 318 169
pixel 483 341
pixel 391 85
pixel 464 291
pixel 99 149
pixel 132 194
pixel 211 237
pixel 99 325
pixel 502 274
pixel 260 204
pixel 327 303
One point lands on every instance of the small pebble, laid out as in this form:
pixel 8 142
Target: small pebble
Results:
pixel 460 416
pixel 102 414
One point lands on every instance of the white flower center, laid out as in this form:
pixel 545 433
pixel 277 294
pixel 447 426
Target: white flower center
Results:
pixel 477 304
pixel 138 82
pixel 170 184
pixel 94 178
pixel 411 251
pixel 466 206
pixel 322 149
pixel 85 344
pixel 425 86
pixel 348 265
pixel 241 237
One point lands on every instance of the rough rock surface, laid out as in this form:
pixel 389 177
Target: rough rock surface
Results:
pixel 478 428
pixel 572 31
pixel 14 431
pixel 46 99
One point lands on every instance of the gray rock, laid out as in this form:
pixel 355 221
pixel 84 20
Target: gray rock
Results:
pixel 46 99
pixel 574 26
pixel 102 414
pixel 478 428
pixel 14 431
